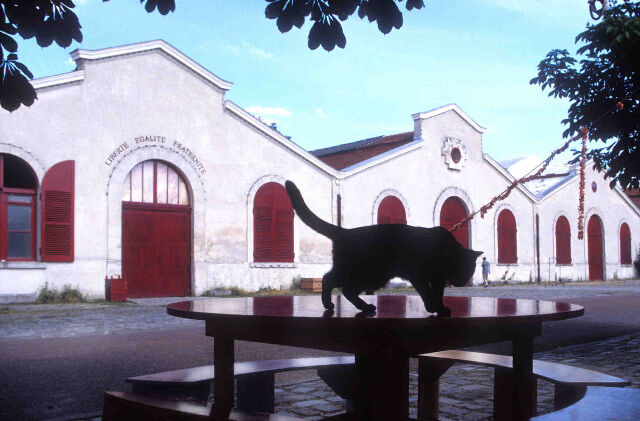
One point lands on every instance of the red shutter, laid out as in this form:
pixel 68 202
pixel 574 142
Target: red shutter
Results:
pixel 391 211
pixel 507 238
pixel 283 213
pixel 625 245
pixel 57 225
pixel 563 241
pixel 262 224
pixel 272 225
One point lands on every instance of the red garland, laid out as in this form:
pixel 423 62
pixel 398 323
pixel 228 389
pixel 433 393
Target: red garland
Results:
pixel 583 161
pixel 484 209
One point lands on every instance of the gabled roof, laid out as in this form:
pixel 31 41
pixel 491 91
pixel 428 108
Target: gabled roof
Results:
pixel 160 45
pixel 350 154
pixel 446 108
pixel 634 195
pixel 555 176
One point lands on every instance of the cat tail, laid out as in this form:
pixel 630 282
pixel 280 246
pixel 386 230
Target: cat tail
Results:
pixel 308 217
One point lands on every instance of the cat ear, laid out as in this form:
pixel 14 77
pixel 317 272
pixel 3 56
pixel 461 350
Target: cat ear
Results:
pixel 477 253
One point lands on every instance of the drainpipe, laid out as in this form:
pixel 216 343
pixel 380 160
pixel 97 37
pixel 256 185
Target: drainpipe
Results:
pixel 339 204
pixel 538 246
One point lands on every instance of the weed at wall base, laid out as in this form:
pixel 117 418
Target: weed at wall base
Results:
pixel 47 295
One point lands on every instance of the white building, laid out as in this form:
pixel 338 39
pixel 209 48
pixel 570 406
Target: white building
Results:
pixel 135 164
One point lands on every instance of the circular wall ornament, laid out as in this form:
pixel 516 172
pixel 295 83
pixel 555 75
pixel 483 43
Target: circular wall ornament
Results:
pixel 454 153
pixel 594 187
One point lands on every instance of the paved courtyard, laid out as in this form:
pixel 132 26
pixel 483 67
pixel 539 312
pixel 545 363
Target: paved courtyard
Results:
pixel 466 391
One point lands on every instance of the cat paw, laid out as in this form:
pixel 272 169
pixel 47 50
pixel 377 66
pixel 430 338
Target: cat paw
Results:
pixel 328 313
pixel 444 312
pixel 329 306
pixel 369 308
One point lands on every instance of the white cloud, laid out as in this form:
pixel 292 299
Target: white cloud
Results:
pixel 543 10
pixel 269 111
pixel 232 49
pixel 269 115
pixel 255 51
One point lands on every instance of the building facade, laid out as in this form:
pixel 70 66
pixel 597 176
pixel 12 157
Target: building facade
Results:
pixel 135 165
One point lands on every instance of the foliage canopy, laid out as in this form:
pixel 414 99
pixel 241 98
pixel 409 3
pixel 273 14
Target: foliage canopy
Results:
pixel 607 73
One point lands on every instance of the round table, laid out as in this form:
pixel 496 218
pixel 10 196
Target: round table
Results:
pixel 382 343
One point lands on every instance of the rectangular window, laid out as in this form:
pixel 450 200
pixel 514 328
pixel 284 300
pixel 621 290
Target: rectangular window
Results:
pixel 19 222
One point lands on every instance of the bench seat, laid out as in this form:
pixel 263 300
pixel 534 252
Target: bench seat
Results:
pixel 570 382
pixel 601 404
pixel 125 406
pixel 255 380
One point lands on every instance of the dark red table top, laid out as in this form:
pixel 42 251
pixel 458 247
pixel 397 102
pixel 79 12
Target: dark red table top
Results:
pixel 410 309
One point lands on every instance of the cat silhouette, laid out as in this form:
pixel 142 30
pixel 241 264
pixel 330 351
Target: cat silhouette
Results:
pixel 366 258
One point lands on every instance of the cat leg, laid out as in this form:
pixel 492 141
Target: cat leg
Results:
pixel 351 294
pixel 437 286
pixel 424 289
pixel 327 286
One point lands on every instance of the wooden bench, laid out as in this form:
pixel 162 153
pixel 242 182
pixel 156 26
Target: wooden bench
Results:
pixel 600 403
pixel 125 406
pixel 255 380
pixel 570 382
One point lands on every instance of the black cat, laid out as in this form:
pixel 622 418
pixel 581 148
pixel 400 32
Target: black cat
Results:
pixel 366 258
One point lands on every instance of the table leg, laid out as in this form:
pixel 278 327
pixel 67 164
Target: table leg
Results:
pixel 382 387
pixel 223 360
pixel 429 373
pixel 524 383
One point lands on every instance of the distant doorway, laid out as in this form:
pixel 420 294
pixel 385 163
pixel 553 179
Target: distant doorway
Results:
pixel 156 232
pixel 454 211
pixel 594 245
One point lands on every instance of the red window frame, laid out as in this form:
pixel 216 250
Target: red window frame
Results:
pixel 563 241
pixel 391 211
pixel 272 225
pixel 507 238
pixel 5 203
pixel 625 244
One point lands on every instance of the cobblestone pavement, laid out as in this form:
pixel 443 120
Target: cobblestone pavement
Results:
pixel 66 320
pixel 466 391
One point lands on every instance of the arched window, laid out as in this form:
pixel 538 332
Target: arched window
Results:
pixel 391 211
pixel 272 225
pixel 625 244
pixel 507 238
pixel 453 211
pixel 155 182
pixel 18 186
pixel 563 241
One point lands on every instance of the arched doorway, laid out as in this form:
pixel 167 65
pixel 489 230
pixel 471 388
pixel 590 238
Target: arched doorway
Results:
pixel 454 211
pixel 156 232
pixel 391 211
pixel 594 245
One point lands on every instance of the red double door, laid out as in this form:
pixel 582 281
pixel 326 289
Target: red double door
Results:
pixel 453 211
pixel 156 254
pixel 594 247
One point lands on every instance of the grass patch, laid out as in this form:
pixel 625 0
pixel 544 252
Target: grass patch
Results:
pixel 68 294
pixel 262 292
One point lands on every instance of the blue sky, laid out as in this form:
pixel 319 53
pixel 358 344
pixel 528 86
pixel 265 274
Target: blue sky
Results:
pixel 479 54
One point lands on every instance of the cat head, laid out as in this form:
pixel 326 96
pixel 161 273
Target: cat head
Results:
pixel 464 267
